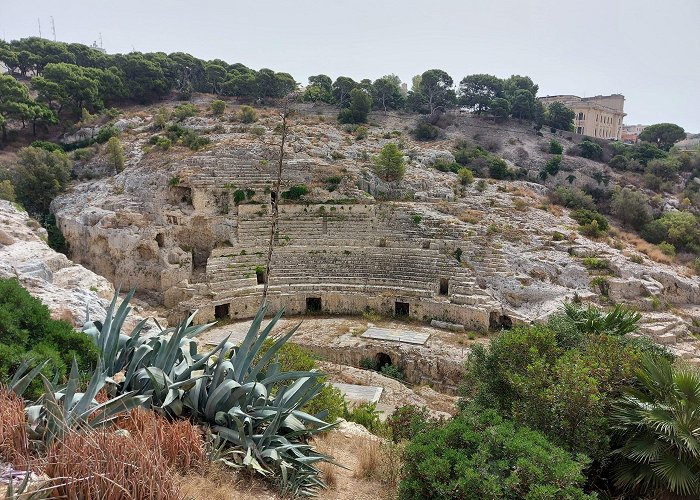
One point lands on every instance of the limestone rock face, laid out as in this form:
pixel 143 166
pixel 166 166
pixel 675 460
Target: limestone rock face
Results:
pixel 65 287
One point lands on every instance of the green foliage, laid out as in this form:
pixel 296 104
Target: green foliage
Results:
pixel 27 332
pixel 389 164
pixel 590 150
pixel 677 228
pixel 667 248
pixel 392 371
pixel 246 114
pixel 174 181
pixel 555 147
pixel 553 165
pixel 465 176
pixel 658 421
pixel 40 175
pixel 163 143
pixel 55 236
pixel 365 414
pixel 409 421
pixel 217 107
pixel 115 153
pixel 416 218
pixel 425 131
pixel 433 93
pixel 194 140
pixel 7 191
pixel 293 358
pixel 478 92
pixel 446 166
pixel 500 108
pixel 295 192
pixel 480 455
pixel 592 321
pixel 631 207
pixel 587 218
pixel 361 133
pixel 184 111
pixel 360 106
pixel 386 92
pixel 14 102
pixel 573 198
pixel 498 168
pixel 560 117
pixel 84 154
pixel 618 162
pixel 664 135
pixel 47 145
pixel 106 133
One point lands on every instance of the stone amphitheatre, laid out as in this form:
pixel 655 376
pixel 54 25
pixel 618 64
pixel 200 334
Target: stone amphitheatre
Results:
pixel 190 231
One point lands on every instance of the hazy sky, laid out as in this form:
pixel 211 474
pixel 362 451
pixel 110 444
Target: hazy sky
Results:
pixel 648 50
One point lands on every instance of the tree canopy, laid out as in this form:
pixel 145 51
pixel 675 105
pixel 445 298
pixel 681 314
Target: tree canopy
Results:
pixel 664 135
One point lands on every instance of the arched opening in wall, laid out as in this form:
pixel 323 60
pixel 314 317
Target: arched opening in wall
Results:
pixel 261 275
pixel 402 308
pixel 199 259
pixel 382 359
pixel 221 311
pixel 499 321
pixel 181 194
pixel 160 239
pixel 444 286
pixel 313 305
pixel 273 197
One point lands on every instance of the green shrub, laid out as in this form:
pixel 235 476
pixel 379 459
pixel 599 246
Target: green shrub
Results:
pixel 193 140
pixel 446 166
pixel 40 175
pixel 361 132
pixel 365 414
pixel 667 248
pixel 246 114
pixel 587 217
pixel 28 332
pixel 7 191
pixel 184 111
pixel 480 455
pixel 368 364
pixel 392 371
pixel 84 154
pixel 498 169
pixel 163 143
pixel 618 162
pixel 426 132
pixel 217 107
pixel 115 153
pixel 295 192
pixel 573 198
pixel 465 175
pixel 552 166
pixel 389 164
pixel 416 218
pixel 555 147
pixel 595 263
pixel 47 145
pixel 408 421
pixel 106 133
pixel 590 150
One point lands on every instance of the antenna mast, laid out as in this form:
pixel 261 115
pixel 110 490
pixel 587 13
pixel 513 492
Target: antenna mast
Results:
pixel 101 41
pixel 53 29
pixel 39 22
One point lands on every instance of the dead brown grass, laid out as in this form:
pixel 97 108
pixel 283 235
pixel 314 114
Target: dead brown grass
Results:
pixel 103 464
pixel 14 446
pixel 369 458
pixel 180 443
pixel 648 249
pixel 471 216
pixel 218 482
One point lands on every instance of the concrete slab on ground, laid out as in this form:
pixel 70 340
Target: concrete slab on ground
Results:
pixel 406 336
pixel 359 393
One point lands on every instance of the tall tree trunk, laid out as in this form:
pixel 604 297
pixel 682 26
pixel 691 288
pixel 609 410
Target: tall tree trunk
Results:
pixel 276 201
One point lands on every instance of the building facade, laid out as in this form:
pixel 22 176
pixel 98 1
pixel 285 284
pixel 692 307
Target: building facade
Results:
pixel 599 116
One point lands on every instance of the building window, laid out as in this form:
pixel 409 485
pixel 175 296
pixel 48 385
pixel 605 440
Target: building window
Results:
pixel 579 130
pixel 580 116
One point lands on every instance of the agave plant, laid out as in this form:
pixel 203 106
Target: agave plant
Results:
pixel 659 423
pixel 619 321
pixel 62 408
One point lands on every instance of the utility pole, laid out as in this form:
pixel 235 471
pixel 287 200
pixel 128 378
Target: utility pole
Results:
pixel 53 29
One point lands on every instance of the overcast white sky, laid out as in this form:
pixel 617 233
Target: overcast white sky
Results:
pixel 648 50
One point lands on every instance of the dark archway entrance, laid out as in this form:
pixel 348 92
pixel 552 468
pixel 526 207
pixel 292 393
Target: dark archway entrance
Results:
pixel 313 304
pixel 382 359
pixel 402 308
pixel 444 286
pixel 499 321
pixel 221 311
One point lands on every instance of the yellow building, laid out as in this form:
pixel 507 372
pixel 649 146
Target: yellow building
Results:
pixel 599 116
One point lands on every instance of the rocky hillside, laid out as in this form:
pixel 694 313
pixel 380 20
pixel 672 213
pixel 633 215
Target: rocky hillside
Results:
pixel 189 228
pixel 67 288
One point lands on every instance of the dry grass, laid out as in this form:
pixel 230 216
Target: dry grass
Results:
pixel 377 460
pixel 471 216
pixel 180 443
pixel 14 446
pixel 648 249
pixel 103 464
pixel 218 482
